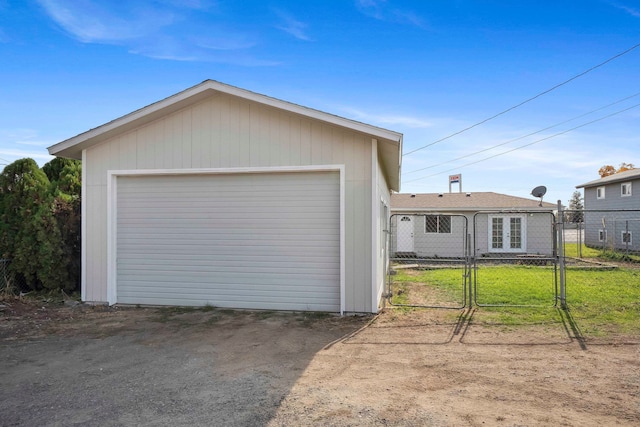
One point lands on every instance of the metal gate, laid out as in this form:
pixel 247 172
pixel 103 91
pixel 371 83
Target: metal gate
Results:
pixel 515 259
pixel 506 258
pixel 429 261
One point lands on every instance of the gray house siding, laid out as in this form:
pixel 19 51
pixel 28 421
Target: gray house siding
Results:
pixel 382 207
pixel 605 222
pixel 538 234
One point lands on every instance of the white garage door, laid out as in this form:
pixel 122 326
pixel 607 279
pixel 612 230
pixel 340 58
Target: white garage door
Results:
pixel 268 241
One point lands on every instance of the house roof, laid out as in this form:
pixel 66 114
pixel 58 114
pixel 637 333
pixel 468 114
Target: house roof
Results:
pixel 464 202
pixel 389 142
pixel 616 177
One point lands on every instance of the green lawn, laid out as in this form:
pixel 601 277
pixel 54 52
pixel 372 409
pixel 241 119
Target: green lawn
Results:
pixel 600 302
pixel 573 250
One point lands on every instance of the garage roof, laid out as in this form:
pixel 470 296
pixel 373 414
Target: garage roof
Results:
pixel 389 142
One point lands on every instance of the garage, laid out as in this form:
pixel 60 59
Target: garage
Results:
pixel 250 240
pixel 220 196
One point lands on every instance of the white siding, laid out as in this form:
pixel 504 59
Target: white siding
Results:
pixel 269 240
pixel 381 208
pixel 225 132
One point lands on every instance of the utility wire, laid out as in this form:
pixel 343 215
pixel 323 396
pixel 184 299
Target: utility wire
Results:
pixel 527 145
pixel 525 101
pixel 525 136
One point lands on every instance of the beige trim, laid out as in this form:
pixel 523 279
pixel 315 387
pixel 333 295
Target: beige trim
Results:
pixel 83 229
pixel 375 215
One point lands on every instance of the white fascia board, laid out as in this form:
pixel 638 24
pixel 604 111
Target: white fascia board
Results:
pixel 201 91
pixel 308 112
pixel 83 229
pixel 375 215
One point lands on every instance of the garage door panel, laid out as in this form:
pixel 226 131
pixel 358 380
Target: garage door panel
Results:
pixel 152 265
pixel 222 295
pixel 191 287
pixel 237 249
pixel 251 241
pixel 231 303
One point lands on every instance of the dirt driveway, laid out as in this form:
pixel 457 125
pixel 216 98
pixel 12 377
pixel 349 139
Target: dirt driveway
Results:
pixel 96 366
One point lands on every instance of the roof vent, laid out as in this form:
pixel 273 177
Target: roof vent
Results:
pixel 413 195
pixel 440 195
pixel 468 194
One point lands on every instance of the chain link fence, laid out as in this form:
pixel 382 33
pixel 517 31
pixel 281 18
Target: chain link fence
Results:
pixel 429 257
pixel 615 231
pixel 515 258
pixel 489 258
pixel 504 258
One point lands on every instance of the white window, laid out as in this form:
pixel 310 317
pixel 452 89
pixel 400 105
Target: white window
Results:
pixel 507 233
pixel 600 193
pixel 437 224
pixel 602 235
pixel 625 189
pixel 626 237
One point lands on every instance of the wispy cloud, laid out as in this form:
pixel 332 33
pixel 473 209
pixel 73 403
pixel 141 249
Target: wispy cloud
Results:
pixel 11 155
pixel 382 11
pixel 386 119
pixel 12 138
pixel 92 22
pixel 161 29
pixel 630 10
pixel 291 25
pixel 19 143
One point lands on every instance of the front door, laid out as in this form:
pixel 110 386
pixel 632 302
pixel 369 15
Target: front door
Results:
pixel 507 233
pixel 405 234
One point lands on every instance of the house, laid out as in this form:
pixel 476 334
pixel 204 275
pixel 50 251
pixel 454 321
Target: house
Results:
pixel 446 225
pixel 612 211
pixel 218 195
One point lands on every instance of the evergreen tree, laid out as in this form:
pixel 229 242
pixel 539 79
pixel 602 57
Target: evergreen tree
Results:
pixel 24 189
pixel 576 207
pixel 40 223
pixel 65 176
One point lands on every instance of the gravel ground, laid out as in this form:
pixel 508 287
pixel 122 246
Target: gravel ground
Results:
pixel 80 365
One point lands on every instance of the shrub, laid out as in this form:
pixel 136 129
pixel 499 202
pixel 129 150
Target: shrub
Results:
pixel 40 223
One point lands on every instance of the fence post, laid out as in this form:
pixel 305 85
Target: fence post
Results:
pixel 563 296
pixel 580 239
pixel 469 256
pixel 626 240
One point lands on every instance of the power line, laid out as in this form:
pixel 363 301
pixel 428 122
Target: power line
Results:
pixel 525 136
pixel 525 101
pixel 526 145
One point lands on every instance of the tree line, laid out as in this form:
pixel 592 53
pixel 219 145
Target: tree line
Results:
pixel 40 223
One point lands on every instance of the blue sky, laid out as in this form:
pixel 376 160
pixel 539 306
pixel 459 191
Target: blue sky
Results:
pixel 427 69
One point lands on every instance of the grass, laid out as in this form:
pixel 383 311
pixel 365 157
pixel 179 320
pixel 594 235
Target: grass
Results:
pixel 572 250
pixel 601 302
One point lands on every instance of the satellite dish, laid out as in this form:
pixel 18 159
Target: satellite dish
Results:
pixel 539 191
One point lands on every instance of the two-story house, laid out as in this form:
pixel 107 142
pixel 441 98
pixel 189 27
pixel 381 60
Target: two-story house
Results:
pixel 612 211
